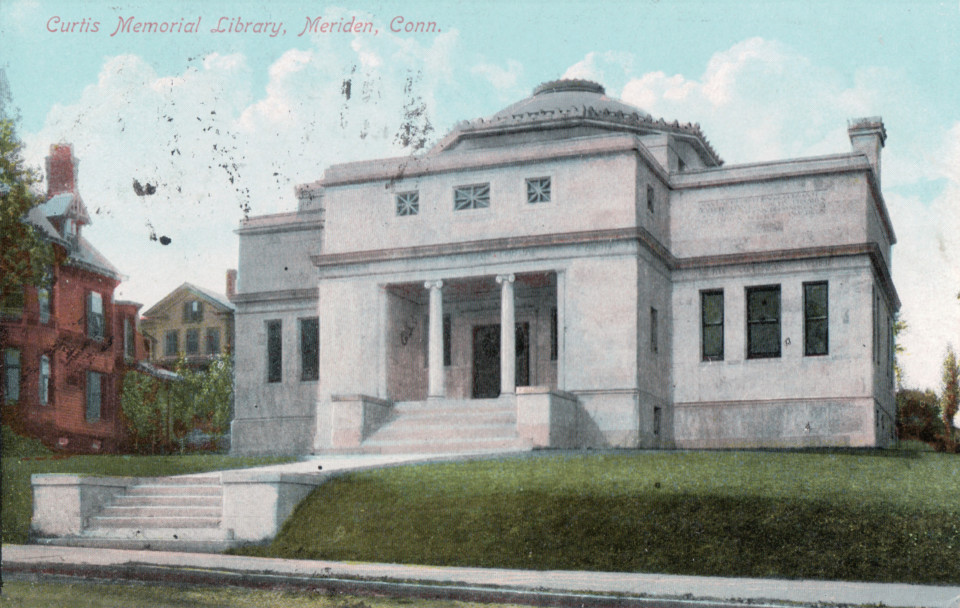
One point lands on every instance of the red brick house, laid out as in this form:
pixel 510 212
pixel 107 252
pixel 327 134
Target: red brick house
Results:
pixel 66 344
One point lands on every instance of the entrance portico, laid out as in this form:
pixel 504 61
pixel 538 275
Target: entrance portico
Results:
pixel 444 337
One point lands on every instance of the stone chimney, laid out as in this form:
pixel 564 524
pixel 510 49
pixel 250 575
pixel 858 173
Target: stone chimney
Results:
pixel 867 136
pixel 231 283
pixel 61 170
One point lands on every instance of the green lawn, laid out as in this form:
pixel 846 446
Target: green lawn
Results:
pixel 79 595
pixel 17 497
pixel 872 515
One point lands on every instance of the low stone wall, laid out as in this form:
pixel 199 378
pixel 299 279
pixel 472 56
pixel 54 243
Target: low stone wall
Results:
pixel 63 503
pixel 548 418
pixel 356 417
pixel 255 504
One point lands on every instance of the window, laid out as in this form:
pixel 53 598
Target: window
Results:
pixel 171 344
pixel 11 375
pixel 815 325
pixel 763 322
pixel 212 342
pixel 711 325
pixel 309 349
pixel 408 203
pixel 447 354
pixel 94 393
pixel 554 335
pixel 192 311
pixel 476 196
pixel 538 190
pixel 876 326
pixel 11 307
pixel 43 383
pixel 650 197
pixel 95 315
pixel 653 330
pixel 193 341
pixel 274 352
pixel 43 301
pixel 129 348
pixel 681 166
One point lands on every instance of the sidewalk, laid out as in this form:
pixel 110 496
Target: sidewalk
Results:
pixel 677 590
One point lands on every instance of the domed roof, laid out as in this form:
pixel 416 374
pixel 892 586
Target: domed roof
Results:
pixel 562 97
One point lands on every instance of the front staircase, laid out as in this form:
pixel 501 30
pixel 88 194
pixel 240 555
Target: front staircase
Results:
pixel 175 513
pixel 444 426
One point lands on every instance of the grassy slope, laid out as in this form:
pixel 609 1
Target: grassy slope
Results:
pixel 16 494
pixel 882 516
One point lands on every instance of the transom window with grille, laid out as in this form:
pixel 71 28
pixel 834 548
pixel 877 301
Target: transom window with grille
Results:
pixel 193 311
pixel 763 322
pixel 95 315
pixel 476 196
pixel 711 323
pixel 408 203
pixel 538 190
pixel 815 315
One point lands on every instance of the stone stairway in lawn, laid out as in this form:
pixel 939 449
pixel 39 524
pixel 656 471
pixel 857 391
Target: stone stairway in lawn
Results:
pixel 448 426
pixel 182 513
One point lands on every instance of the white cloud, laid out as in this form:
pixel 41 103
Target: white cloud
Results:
pixel 501 78
pixel 215 150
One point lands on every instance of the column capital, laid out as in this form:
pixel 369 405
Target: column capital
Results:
pixel 506 278
pixel 433 284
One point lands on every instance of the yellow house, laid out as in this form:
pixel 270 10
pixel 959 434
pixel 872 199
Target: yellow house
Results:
pixel 190 321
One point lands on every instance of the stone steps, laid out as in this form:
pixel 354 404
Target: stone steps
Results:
pixel 173 513
pixel 447 426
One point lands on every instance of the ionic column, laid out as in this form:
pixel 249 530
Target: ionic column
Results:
pixel 435 384
pixel 508 336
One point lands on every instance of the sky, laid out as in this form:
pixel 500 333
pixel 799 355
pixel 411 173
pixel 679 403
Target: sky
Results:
pixel 226 116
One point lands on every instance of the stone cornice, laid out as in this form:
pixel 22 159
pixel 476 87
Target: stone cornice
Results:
pixel 404 167
pixel 498 244
pixel 807 253
pixel 640 235
pixel 280 295
pixel 281 222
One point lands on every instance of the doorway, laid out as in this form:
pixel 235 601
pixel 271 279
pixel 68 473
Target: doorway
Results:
pixel 486 359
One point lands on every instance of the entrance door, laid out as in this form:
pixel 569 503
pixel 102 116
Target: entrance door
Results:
pixel 486 359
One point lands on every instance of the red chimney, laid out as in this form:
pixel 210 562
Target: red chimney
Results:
pixel 61 170
pixel 231 283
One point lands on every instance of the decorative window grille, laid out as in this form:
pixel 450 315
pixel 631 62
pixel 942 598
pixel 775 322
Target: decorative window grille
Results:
pixel 476 196
pixel 408 203
pixel 538 190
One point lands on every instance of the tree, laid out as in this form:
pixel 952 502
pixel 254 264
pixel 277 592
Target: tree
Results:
pixel 24 253
pixel 950 396
pixel 899 327
pixel 918 416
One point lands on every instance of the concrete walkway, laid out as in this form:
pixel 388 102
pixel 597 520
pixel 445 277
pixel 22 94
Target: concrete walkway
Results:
pixel 682 590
